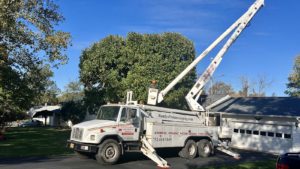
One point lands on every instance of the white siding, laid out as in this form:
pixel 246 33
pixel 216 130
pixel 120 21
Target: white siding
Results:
pixel 251 136
pixel 296 139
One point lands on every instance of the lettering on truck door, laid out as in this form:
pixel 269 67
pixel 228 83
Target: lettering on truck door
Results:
pixel 129 125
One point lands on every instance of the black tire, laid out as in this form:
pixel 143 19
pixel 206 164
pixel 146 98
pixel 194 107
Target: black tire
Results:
pixel 205 148
pixel 189 151
pixel 109 152
pixel 82 155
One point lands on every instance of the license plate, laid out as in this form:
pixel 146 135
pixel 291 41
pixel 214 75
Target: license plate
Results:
pixel 71 145
pixel 84 148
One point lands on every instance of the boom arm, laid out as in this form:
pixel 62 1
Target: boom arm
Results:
pixel 195 92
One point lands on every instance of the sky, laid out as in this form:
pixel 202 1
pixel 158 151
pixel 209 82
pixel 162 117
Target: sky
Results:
pixel 267 48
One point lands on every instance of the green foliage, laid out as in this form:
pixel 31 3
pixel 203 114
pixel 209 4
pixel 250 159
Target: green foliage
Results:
pixel 103 66
pixel 9 117
pixel 73 104
pixel 27 27
pixel 74 87
pixel 29 45
pixel 50 95
pixel 18 93
pixel 74 111
pixel 93 98
pixel 293 86
pixel 114 65
pixel 73 92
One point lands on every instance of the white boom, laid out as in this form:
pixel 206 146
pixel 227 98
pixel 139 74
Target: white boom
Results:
pixel 195 92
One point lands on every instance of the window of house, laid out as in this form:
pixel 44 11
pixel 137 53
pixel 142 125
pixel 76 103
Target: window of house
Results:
pixel 263 133
pixel 270 134
pixel 249 131
pixel 236 130
pixel 287 136
pixel 255 132
pixel 279 135
pixel 242 131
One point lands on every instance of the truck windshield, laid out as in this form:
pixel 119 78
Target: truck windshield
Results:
pixel 108 113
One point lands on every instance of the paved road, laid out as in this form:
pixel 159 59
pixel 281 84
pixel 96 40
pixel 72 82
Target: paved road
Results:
pixel 132 160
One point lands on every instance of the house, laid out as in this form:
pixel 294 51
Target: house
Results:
pixel 267 124
pixel 49 115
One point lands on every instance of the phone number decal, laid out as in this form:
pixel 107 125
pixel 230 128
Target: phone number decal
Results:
pixel 162 139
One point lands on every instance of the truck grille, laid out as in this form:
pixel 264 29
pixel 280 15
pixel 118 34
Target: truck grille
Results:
pixel 77 133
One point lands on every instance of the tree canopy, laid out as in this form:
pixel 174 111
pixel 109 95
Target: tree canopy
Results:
pixel 115 64
pixel 293 86
pixel 29 46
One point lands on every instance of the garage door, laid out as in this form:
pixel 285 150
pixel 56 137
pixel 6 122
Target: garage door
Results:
pixel 262 137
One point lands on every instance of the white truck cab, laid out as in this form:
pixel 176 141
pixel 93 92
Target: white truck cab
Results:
pixel 118 120
pixel 114 125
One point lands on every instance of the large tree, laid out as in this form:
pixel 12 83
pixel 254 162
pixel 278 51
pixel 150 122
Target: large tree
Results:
pixel 115 64
pixel 29 46
pixel 293 86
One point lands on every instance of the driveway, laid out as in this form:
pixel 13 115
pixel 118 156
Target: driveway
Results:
pixel 131 160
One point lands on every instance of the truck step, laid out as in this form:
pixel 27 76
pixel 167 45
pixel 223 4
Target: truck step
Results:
pixel 132 146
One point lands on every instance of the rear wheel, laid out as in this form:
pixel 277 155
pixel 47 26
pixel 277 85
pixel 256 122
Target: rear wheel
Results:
pixel 189 151
pixel 205 148
pixel 109 152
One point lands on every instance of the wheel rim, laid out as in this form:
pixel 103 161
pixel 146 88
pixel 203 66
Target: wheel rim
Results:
pixel 192 150
pixel 110 152
pixel 206 149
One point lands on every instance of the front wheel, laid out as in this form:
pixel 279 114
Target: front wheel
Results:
pixel 109 152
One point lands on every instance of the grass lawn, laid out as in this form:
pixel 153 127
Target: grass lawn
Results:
pixel 26 142
pixel 269 164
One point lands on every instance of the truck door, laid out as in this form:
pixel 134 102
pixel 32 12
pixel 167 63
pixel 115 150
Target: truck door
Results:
pixel 129 125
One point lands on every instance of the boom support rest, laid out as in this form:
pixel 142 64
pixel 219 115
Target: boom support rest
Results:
pixel 149 151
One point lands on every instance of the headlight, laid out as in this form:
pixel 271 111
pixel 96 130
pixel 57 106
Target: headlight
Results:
pixel 92 137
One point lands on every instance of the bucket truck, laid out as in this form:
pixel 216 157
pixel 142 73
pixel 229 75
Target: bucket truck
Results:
pixel 120 128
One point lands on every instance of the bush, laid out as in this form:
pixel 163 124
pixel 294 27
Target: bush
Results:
pixel 74 111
